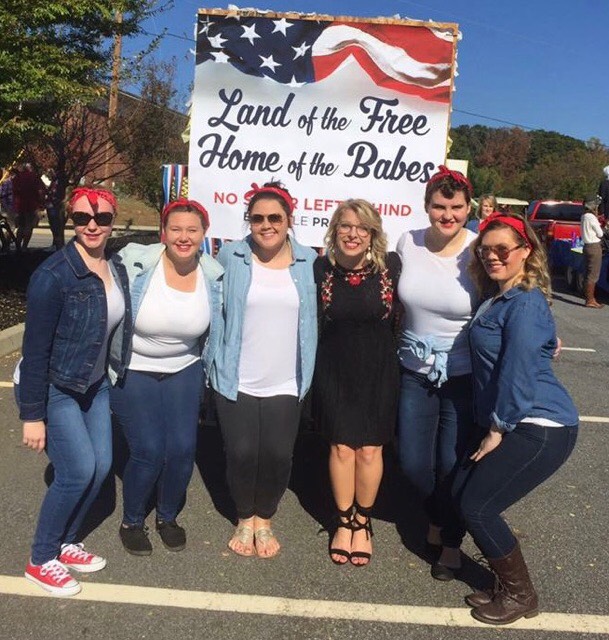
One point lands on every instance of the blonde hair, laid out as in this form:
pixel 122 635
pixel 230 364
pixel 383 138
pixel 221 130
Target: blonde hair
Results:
pixel 486 197
pixel 367 215
pixel 536 271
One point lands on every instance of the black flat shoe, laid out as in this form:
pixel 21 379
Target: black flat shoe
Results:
pixel 443 573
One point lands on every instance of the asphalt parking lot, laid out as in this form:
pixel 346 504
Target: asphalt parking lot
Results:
pixel 207 592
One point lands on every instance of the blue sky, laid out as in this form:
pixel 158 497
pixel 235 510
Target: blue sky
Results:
pixel 539 64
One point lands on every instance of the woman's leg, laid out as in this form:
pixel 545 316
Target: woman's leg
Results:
pixel 368 475
pixel 180 397
pixel 71 452
pixel 138 407
pixel 279 422
pixel 240 425
pixel 418 418
pixel 342 479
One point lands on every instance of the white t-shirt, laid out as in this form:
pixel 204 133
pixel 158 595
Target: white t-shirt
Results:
pixel 269 346
pixel 168 325
pixel 438 296
pixel 591 229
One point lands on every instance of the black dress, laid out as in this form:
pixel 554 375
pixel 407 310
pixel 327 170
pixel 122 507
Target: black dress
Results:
pixel 356 382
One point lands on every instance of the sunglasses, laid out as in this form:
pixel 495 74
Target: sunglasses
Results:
pixel 82 219
pixel 501 251
pixel 273 218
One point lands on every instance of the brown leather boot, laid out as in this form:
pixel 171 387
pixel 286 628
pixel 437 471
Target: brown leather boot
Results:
pixel 516 596
pixel 591 302
pixel 478 598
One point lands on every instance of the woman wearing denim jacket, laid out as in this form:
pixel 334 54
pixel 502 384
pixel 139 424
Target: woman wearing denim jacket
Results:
pixel 264 365
pixel 75 300
pixel 528 421
pixel 176 297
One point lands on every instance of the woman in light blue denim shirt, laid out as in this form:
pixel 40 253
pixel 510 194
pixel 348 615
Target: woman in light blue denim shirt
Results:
pixel 528 421
pixel 176 297
pixel 264 365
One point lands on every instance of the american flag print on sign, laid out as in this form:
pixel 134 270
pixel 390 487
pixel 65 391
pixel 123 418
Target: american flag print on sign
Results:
pixel 412 60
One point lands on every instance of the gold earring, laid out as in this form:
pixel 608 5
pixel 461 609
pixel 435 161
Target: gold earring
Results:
pixel 369 254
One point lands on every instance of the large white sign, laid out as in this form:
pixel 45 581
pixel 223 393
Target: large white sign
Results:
pixel 334 108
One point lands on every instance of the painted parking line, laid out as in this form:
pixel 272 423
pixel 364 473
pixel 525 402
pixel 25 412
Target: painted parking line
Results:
pixel 319 609
pixel 578 349
pixel 593 419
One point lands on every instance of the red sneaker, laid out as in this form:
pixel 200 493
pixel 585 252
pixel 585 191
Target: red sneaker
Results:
pixel 52 576
pixel 75 557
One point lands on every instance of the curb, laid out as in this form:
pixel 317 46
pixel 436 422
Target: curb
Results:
pixel 11 339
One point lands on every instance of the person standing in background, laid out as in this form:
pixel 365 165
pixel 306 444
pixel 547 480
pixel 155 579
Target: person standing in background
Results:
pixel 603 193
pixel 28 197
pixel 593 254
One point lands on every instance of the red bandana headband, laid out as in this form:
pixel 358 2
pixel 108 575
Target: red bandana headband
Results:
pixel 183 203
pixel 284 195
pixel 514 223
pixel 92 196
pixel 457 176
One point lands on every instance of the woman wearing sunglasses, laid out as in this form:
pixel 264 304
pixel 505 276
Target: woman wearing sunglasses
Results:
pixel 528 421
pixel 264 365
pixel 355 389
pixel 157 370
pixel 75 301
pixel 435 414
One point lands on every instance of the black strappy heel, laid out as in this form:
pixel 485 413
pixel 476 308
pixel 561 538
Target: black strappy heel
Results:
pixel 341 524
pixel 365 512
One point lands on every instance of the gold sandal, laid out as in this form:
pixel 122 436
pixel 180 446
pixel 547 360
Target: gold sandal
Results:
pixel 244 533
pixel 264 536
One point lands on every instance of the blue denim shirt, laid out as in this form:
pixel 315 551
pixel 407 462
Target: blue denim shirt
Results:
pixel 65 328
pixel 236 258
pixel 513 341
pixel 140 262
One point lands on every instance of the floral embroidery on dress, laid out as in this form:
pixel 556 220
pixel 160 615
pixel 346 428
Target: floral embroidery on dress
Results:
pixel 386 293
pixel 326 289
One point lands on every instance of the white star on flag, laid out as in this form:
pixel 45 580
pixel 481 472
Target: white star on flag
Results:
pixel 217 41
pixel 282 26
pixel 249 33
pixel 204 27
pixel 269 63
pixel 294 83
pixel 301 50
pixel 220 56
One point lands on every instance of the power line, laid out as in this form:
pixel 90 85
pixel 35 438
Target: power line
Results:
pixel 513 124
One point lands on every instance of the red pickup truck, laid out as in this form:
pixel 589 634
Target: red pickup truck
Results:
pixel 555 219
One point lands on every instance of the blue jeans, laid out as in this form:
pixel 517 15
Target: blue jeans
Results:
pixel 483 490
pixel 79 446
pixel 159 418
pixel 434 429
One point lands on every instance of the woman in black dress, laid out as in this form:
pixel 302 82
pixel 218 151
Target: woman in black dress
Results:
pixel 355 388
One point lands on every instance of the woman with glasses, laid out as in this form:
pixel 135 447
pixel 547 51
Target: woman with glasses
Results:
pixel 528 423
pixel 75 301
pixel 356 382
pixel 157 368
pixel 435 414
pixel 264 365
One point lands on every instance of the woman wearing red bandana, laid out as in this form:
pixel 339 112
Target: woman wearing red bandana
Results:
pixel 355 389
pixel 76 299
pixel 528 423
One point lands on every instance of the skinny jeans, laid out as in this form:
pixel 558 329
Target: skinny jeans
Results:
pixel 482 490
pixel 79 446
pixel 259 436
pixel 434 429
pixel 159 417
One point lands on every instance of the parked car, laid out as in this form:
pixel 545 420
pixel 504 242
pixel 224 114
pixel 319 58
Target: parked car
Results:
pixel 556 219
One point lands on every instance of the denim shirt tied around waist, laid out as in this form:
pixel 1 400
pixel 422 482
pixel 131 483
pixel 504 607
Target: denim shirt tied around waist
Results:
pixel 140 262
pixel 513 341
pixel 425 346
pixel 236 258
pixel 65 328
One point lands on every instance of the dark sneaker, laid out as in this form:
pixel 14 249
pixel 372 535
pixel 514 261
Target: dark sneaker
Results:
pixel 135 539
pixel 172 535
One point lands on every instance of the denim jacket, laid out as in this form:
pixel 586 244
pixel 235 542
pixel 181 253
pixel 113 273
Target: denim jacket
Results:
pixel 513 341
pixel 65 328
pixel 140 262
pixel 236 258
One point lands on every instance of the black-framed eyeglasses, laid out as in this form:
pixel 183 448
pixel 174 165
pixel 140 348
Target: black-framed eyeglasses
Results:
pixel 483 251
pixel 82 218
pixel 273 218
pixel 362 230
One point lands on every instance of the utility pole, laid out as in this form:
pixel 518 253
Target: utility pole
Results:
pixel 114 85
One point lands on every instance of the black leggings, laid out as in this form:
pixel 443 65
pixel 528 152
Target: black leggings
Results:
pixel 259 436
